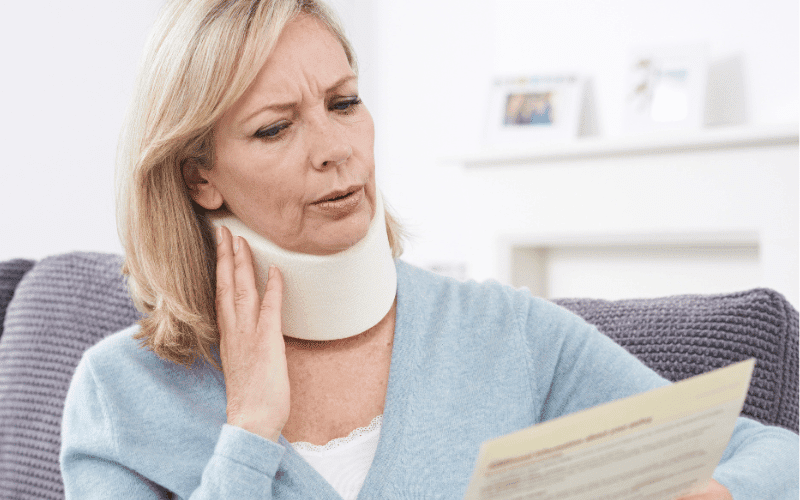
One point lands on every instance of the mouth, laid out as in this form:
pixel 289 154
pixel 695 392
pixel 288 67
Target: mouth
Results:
pixel 341 203
pixel 338 195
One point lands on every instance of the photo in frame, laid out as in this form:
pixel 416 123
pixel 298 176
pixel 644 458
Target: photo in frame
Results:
pixel 535 109
pixel 666 89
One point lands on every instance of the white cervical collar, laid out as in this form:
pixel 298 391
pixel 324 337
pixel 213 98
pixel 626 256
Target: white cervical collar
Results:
pixel 327 297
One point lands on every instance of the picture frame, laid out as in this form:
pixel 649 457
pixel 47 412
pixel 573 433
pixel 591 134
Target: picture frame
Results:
pixel 666 89
pixel 534 109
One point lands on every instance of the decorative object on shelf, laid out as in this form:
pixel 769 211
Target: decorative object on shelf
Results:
pixel 537 108
pixel 666 89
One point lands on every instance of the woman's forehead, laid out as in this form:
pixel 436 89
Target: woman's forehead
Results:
pixel 307 61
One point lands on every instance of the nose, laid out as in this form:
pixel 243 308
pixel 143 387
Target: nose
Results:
pixel 329 146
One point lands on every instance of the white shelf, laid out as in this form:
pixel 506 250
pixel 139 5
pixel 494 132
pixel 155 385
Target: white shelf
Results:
pixel 656 144
pixel 660 239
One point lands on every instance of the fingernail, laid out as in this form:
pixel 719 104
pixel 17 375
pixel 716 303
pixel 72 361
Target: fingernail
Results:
pixel 271 271
pixel 236 244
pixel 219 234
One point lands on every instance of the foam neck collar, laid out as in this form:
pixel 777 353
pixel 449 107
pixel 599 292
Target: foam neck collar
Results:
pixel 327 297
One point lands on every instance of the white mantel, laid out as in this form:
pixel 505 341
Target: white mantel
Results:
pixel 647 144
pixel 715 209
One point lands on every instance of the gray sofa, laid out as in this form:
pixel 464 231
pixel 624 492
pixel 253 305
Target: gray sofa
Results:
pixel 52 310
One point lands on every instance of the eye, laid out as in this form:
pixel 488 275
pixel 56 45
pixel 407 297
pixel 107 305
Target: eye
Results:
pixel 272 131
pixel 347 105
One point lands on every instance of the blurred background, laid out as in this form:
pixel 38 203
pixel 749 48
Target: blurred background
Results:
pixel 615 213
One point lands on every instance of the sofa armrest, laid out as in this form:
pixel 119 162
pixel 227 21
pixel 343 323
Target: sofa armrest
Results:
pixel 11 272
pixel 61 307
pixel 685 335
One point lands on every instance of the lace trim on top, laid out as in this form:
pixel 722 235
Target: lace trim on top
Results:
pixel 373 426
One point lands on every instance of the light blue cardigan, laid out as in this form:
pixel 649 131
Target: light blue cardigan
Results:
pixel 470 362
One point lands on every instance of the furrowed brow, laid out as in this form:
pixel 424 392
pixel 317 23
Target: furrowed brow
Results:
pixel 289 105
pixel 270 107
pixel 340 82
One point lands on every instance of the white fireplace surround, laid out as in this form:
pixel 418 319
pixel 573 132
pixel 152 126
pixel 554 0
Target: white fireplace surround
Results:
pixel 635 265
pixel 712 211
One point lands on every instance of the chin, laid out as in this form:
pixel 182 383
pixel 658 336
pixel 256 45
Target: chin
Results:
pixel 333 235
pixel 339 239
pixel 340 245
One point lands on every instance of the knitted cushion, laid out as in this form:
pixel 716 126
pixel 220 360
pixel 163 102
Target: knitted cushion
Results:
pixel 61 307
pixel 686 335
pixel 10 273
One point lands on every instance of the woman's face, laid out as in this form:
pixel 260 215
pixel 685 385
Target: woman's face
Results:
pixel 293 156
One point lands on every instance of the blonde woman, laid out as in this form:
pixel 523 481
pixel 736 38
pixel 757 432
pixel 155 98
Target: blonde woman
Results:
pixel 286 351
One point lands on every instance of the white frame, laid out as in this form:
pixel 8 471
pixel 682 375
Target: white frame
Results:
pixel 666 89
pixel 562 93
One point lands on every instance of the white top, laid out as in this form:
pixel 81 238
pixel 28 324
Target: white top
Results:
pixel 344 462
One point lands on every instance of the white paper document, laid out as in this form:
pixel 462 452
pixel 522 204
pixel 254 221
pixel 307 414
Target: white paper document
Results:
pixel 657 445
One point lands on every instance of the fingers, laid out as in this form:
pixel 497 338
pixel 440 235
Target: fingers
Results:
pixel 226 315
pixel 244 288
pixel 269 320
pixel 236 296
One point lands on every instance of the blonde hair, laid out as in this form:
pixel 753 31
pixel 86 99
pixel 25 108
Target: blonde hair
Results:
pixel 201 57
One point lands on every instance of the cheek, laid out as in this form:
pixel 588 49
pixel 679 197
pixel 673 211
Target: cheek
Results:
pixel 236 175
pixel 261 184
pixel 369 126
pixel 364 136
pixel 240 166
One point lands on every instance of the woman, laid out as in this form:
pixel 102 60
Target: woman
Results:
pixel 248 122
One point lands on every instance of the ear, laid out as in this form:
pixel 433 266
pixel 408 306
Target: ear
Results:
pixel 202 191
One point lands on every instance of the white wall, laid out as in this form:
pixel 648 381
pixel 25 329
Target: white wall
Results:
pixel 68 71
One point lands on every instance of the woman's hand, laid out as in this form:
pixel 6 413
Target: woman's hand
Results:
pixel 251 343
pixel 714 491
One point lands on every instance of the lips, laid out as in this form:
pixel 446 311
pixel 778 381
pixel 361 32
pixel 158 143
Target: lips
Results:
pixel 341 202
pixel 338 194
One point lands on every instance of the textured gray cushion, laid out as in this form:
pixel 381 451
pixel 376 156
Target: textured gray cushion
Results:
pixel 686 335
pixel 61 307
pixel 11 271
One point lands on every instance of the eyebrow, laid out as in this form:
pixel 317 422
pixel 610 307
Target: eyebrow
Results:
pixel 289 105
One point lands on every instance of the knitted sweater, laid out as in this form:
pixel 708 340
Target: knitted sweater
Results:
pixel 470 362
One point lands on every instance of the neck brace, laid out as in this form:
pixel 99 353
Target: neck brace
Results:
pixel 327 297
